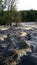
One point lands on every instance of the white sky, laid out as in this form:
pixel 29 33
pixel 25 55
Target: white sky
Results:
pixel 27 4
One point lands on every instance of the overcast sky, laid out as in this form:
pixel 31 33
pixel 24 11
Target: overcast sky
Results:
pixel 27 4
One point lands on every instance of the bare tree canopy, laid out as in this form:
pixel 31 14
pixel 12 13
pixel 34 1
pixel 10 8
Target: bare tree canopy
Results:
pixel 7 4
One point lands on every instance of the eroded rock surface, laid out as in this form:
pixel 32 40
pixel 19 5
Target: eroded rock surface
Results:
pixel 15 42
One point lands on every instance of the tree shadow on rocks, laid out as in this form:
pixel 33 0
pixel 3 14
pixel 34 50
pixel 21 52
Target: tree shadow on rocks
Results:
pixel 27 60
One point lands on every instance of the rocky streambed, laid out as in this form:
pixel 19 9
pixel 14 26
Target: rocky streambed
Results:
pixel 18 45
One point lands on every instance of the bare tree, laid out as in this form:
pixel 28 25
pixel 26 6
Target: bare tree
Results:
pixel 10 5
pixel 7 5
pixel 2 4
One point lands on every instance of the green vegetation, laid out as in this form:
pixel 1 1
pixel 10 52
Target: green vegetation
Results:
pixel 7 17
pixel 12 15
pixel 29 15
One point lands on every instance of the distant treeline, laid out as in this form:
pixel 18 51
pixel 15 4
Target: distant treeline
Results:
pixel 29 15
pixel 7 17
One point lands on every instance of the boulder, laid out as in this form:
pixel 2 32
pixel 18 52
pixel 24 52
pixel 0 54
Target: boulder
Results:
pixel 22 34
